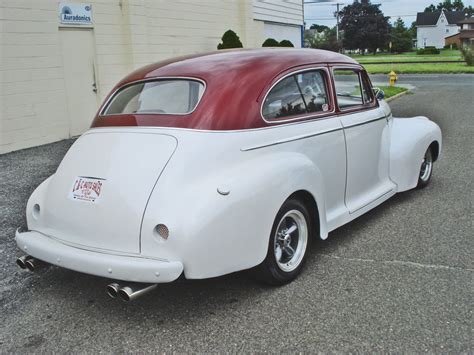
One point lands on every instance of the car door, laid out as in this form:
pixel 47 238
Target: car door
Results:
pixel 304 98
pixel 367 138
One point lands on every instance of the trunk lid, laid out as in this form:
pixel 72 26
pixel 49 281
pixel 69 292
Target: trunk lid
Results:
pixel 99 193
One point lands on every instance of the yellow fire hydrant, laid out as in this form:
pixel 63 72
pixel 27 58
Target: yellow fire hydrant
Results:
pixel 393 77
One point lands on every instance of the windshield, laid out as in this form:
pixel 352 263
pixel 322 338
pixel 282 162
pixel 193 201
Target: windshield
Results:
pixel 167 96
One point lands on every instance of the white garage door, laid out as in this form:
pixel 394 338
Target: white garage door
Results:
pixel 281 32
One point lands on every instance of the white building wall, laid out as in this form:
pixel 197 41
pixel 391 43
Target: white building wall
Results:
pixel 127 34
pixel 282 11
pixel 435 35
pixel 283 19
pixel 281 32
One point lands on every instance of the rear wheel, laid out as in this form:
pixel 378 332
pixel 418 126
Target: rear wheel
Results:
pixel 288 245
pixel 426 170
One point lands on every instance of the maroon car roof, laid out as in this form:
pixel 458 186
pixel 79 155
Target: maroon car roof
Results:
pixel 235 80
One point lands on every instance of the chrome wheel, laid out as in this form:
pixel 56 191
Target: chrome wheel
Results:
pixel 291 240
pixel 426 166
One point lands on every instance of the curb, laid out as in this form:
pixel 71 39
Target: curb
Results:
pixel 397 96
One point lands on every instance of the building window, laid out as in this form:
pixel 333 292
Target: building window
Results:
pixel 447 30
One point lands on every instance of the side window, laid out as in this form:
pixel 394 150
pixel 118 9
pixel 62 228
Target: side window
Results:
pixel 314 91
pixel 284 100
pixel 348 90
pixel 295 95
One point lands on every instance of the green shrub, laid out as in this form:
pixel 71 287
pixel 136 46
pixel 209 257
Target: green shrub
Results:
pixel 230 40
pixel 467 55
pixel 451 46
pixel 286 43
pixel 271 42
pixel 428 50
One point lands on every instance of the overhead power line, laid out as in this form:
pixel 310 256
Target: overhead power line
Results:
pixel 332 18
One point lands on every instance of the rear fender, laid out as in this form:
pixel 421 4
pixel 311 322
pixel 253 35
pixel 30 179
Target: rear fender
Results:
pixel 214 234
pixel 37 198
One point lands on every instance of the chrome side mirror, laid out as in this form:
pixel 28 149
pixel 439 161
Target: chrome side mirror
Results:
pixel 379 94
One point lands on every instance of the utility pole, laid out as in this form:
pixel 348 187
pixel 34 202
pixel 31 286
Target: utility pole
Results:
pixel 337 20
pixel 336 14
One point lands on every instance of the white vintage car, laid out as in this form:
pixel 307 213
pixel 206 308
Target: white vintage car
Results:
pixel 210 164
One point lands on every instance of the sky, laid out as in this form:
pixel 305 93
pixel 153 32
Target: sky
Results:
pixel 323 13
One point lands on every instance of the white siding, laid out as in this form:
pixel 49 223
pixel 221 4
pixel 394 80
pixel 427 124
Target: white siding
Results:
pixel 127 34
pixel 281 11
pixel 281 32
pixel 435 35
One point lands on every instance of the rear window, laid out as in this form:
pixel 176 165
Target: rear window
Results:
pixel 170 96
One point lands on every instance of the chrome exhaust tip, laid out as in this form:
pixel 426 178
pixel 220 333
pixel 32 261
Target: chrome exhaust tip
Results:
pixel 132 292
pixel 34 264
pixel 21 261
pixel 113 289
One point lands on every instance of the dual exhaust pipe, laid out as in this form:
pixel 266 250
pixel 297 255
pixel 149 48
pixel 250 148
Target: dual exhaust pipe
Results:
pixel 126 293
pixel 30 263
pixel 129 292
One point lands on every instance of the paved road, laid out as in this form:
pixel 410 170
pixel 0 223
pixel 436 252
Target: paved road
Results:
pixel 397 279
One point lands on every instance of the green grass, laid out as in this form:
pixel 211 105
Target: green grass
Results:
pixel 392 90
pixel 419 68
pixel 390 62
pixel 446 54
pixel 407 58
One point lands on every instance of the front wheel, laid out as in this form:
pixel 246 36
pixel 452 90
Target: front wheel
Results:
pixel 289 242
pixel 426 170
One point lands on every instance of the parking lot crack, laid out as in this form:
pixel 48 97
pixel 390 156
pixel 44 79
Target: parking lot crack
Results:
pixel 399 262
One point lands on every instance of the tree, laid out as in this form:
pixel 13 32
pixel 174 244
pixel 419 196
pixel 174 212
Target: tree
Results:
pixel 230 40
pixel 412 29
pixel 319 28
pixel 448 5
pixel 326 40
pixel 364 26
pixel 401 37
pixel 430 8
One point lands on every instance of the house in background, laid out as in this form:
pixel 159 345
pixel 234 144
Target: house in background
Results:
pixel 465 37
pixel 58 61
pixel 433 27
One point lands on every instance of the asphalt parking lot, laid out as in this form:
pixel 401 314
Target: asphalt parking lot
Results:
pixel 398 279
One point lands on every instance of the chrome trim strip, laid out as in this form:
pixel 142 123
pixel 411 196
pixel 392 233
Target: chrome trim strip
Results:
pixel 156 78
pixel 292 139
pixel 212 131
pixel 297 118
pixel 307 135
pixel 365 122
